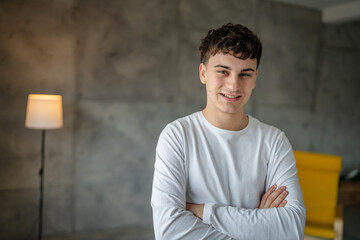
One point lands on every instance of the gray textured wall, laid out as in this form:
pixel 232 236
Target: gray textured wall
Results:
pixel 125 69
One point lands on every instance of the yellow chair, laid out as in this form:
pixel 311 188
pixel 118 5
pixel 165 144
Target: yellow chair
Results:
pixel 319 178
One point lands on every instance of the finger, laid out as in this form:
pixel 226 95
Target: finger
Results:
pixel 279 199
pixel 273 196
pixel 266 195
pixel 283 203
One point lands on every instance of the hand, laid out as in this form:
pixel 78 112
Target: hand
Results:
pixel 196 209
pixel 274 198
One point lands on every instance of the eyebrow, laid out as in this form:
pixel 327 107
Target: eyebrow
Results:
pixel 248 69
pixel 222 66
pixel 227 67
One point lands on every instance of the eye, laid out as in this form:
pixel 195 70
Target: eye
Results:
pixel 245 75
pixel 222 72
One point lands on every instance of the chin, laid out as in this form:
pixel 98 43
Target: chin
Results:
pixel 230 111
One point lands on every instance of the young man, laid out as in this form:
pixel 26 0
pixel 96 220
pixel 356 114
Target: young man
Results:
pixel 221 174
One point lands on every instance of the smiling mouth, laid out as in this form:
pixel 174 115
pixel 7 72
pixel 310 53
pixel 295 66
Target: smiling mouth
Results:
pixel 230 96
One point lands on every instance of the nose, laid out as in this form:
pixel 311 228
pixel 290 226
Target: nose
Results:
pixel 233 83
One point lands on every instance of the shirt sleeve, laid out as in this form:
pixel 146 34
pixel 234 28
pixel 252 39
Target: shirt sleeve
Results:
pixel 168 200
pixel 273 223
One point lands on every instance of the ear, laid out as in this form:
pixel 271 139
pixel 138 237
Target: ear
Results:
pixel 202 73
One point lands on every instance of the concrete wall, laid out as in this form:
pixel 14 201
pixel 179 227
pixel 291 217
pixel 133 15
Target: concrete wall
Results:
pixel 37 55
pixel 337 113
pixel 125 69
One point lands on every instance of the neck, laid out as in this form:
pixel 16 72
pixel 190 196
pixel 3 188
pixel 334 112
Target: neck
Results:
pixel 227 121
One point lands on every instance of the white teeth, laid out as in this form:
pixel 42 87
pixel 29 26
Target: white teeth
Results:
pixel 229 96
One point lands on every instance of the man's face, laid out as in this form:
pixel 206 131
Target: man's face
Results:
pixel 229 83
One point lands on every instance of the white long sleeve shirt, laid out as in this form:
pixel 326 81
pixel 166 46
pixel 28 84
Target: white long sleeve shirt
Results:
pixel 229 171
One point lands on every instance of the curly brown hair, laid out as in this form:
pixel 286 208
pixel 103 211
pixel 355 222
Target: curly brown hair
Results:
pixel 236 40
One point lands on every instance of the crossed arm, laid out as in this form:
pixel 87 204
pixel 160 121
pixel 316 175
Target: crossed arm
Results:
pixel 272 198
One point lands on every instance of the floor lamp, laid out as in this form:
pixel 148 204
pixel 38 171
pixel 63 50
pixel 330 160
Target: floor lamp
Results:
pixel 44 112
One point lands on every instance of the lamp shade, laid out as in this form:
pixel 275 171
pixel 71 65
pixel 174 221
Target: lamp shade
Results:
pixel 44 111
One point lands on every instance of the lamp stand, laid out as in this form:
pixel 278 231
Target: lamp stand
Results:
pixel 43 111
pixel 41 173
